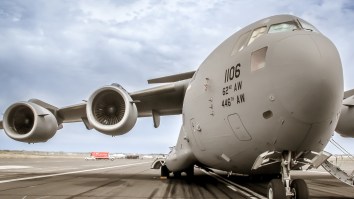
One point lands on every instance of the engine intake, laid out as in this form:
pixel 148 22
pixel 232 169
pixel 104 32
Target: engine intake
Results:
pixel 110 110
pixel 29 122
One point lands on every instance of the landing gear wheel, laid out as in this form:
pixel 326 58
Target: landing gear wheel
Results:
pixel 190 171
pixel 164 171
pixel 276 189
pixel 177 174
pixel 299 188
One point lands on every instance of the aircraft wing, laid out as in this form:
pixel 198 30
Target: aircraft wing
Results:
pixel 162 100
pixel 172 78
pixel 348 93
pixel 110 110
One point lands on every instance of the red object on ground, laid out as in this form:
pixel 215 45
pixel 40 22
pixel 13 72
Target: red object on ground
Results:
pixel 100 155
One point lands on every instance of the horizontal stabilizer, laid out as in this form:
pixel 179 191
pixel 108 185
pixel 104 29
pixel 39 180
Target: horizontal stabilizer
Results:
pixel 172 78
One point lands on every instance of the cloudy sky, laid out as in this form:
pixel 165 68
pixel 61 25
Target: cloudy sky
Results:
pixel 61 51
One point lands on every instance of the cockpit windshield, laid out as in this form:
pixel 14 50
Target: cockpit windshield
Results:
pixel 287 26
pixel 283 27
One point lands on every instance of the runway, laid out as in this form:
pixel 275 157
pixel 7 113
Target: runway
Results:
pixel 54 178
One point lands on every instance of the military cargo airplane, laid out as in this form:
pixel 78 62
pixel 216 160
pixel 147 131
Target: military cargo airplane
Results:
pixel 266 101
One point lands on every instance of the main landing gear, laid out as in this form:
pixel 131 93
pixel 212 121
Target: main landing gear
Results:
pixel 298 189
pixel 285 187
pixel 165 172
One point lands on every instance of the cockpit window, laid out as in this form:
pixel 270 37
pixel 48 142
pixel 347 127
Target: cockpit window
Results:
pixel 241 43
pixel 257 33
pixel 307 26
pixel 283 27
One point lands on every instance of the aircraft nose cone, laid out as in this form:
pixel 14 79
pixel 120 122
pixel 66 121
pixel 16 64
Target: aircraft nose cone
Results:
pixel 308 77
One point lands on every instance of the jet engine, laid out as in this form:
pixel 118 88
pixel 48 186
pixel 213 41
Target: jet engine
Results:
pixel 345 125
pixel 111 110
pixel 29 122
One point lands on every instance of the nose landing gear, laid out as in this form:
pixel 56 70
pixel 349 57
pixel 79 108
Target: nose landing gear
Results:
pixel 276 189
pixel 298 188
pixel 285 187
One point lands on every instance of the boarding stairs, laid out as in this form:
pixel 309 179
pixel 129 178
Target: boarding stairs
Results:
pixel 337 172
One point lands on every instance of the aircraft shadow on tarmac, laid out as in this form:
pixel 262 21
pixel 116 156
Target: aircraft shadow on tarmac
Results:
pixel 199 186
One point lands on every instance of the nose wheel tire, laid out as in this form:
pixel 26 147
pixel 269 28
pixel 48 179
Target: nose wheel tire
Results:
pixel 299 189
pixel 276 189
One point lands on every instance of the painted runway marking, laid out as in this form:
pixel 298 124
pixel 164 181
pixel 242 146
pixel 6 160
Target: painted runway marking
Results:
pixel 14 167
pixel 71 172
pixel 57 169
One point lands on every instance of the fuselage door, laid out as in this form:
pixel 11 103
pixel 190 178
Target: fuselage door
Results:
pixel 237 127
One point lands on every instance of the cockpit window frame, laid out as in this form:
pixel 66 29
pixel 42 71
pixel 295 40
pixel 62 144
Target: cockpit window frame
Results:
pixel 254 38
pixel 311 27
pixel 241 42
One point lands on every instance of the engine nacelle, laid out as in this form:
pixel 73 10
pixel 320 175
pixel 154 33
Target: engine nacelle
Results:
pixel 345 126
pixel 110 110
pixel 29 122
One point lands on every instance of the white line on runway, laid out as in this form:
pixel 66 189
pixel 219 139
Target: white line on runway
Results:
pixel 43 170
pixel 3 167
pixel 67 173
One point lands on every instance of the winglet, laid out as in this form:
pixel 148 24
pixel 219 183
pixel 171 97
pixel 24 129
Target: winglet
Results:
pixel 172 78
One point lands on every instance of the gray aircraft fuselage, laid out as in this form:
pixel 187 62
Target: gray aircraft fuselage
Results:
pixel 278 89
